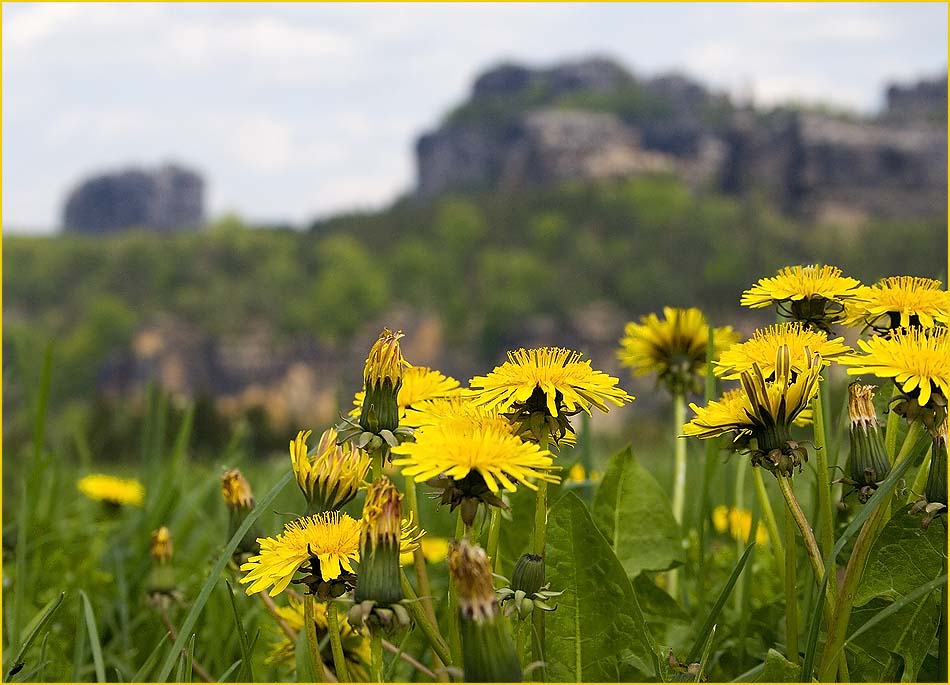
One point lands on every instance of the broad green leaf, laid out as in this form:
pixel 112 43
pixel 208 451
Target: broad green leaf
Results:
pixel 778 669
pixel 633 512
pixel 904 557
pixel 655 603
pixel 598 632
pixel 903 640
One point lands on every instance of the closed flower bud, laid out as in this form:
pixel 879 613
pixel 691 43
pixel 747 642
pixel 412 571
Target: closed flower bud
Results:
pixel 378 579
pixel 161 585
pixel 868 464
pixel 332 476
pixel 936 491
pixel 382 378
pixel 237 494
pixel 488 653
pixel 528 575
pixel 161 547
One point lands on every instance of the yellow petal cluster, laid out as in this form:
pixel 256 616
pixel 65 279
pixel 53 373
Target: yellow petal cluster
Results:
pixel 331 537
pixel 120 491
pixel 455 448
pixel 559 373
pixel 917 359
pixel 385 360
pixel 762 347
pixel 333 475
pixel 794 283
pixel 236 490
pixel 737 523
pixel 899 301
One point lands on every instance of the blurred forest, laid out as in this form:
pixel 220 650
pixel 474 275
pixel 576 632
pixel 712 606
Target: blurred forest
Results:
pixel 493 271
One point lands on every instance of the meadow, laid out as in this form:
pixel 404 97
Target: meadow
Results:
pixel 788 525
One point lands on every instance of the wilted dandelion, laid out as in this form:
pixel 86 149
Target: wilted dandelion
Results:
pixel 899 302
pixel 868 464
pixel 673 348
pixel 111 490
pixel 814 295
pixel 329 541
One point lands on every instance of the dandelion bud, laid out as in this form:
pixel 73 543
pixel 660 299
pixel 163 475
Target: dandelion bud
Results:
pixel 528 575
pixel 333 475
pixel 382 378
pixel 868 464
pixel 378 580
pixel 160 585
pixel 161 547
pixel 936 491
pixel 240 500
pixel 488 654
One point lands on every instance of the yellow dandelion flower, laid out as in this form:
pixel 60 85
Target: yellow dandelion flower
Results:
pixel 738 524
pixel 333 475
pixel 762 347
pixel 420 384
pixel 554 375
pixel 899 302
pixel 917 359
pixel 161 546
pixel 673 348
pixel 814 294
pixel 332 538
pixel 455 449
pixel 763 410
pixel 112 490
pixel 236 490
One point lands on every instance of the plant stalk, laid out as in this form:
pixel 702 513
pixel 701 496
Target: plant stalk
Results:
pixel 771 524
pixel 419 563
pixel 825 514
pixel 429 629
pixel 679 476
pixel 791 590
pixel 336 645
pixel 540 531
pixel 313 647
pixel 376 657
pixel 494 534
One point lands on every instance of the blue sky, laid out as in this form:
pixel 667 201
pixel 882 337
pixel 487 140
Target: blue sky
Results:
pixel 293 111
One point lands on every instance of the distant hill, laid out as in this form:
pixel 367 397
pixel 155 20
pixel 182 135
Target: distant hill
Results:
pixel 594 119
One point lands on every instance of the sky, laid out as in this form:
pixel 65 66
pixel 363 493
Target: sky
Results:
pixel 297 111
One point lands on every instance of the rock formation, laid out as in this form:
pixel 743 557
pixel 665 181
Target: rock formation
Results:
pixel 169 198
pixel 593 120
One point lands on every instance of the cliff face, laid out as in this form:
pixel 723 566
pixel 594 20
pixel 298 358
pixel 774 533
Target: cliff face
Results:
pixel 594 120
pixel 166 199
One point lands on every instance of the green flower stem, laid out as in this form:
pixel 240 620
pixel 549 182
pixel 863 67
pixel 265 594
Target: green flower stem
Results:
pixel 811 546
pixel 771 523
pixel 540 529
pixel 376 657
pixel 379 461
pixel 738 505
pixel 679 475
pixel 844 602
pixel 418 557
pixel 494 534
pixel 942 629
pixel 455 637
pixel 429 628
pixel 708 469
pixel 336 645
pixel 920 480
pixel 826 523
pixel 890 433
pixel 791 591
pixel 313 647
pixel 520 628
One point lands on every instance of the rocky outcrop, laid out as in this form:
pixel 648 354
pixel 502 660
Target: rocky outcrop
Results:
pixel 593 120
pixel 166 199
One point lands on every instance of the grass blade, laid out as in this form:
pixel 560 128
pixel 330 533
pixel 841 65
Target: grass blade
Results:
pixel 717 607
pixel 192 617
pixel 93 638
pixel 146 668
pixel 247 673
pixel 231 670
pixel 704 659
pixel 32 630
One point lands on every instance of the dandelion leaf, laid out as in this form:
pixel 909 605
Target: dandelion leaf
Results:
pixel 598 632
pixel 634 514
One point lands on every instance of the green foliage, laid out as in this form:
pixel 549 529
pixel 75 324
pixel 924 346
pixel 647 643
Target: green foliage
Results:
pixel 633 512
pixel 598 632
pixel 778 669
